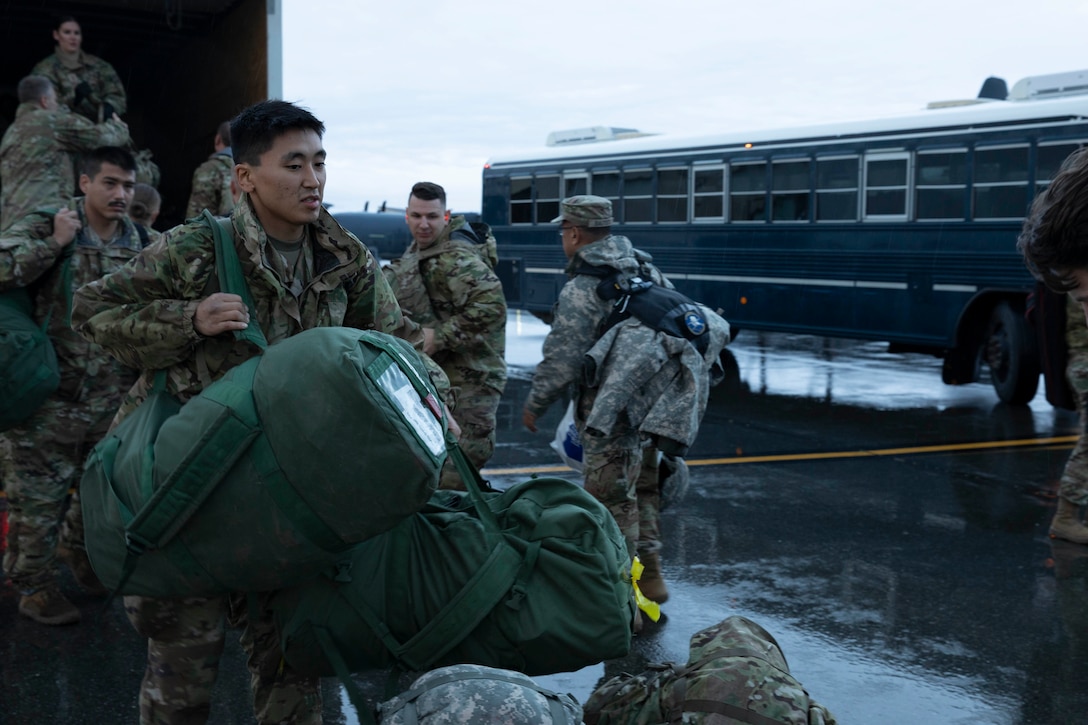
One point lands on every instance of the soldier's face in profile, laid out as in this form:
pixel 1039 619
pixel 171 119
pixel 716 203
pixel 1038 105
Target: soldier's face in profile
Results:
pixel 109 193
pixel 426 220
pixel 68 36
pixel 287 187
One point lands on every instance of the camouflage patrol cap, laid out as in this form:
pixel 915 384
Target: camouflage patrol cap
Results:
pixel 585 211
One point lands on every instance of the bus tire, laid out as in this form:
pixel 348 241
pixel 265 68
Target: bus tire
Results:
pixel 1010 353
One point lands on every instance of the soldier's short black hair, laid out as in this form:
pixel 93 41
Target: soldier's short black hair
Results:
pixel 1054 238
pixel 428 191
pixel 255 129
pixel 119 157
pixel 33 88
pixel 224 132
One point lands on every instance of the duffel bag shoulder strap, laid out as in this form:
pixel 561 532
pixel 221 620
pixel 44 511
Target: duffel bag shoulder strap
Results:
pixel 231 278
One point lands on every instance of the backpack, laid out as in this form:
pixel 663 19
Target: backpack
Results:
pixel 736 673
pixel 29 372
pixel 478 695
pixel 659 308
pixel 534 578
pixel 258 481
pixel 478 234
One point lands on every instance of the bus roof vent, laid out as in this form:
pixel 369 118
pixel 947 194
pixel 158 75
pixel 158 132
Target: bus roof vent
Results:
pixel 1054 85
pixel 591 134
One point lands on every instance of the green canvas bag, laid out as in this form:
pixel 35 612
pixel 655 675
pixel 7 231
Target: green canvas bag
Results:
pixel 325 439
pixel 29 373
pixel 533 579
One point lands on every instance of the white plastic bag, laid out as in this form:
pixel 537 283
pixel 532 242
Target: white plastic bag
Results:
pixel 567 443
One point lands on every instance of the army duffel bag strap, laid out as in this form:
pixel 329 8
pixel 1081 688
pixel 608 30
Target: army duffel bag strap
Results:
pixel 181 495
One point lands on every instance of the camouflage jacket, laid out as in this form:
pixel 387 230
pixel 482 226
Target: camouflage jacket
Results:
pixel 449 287
pixel 658 383
pixel 29 257
pixel 736 673
pixel 1076 340
pixel 98 74
pixel 143 313
pixel 211 186
pixel 38 156
pixel 579 313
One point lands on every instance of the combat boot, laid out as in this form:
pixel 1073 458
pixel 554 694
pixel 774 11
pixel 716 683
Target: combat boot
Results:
pixel 1067 524
pixel 75 557
pixel 651 583
pixel 48 606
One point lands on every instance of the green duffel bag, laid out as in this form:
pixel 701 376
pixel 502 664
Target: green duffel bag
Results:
pixel 533 579
pixel 259 480
pixel 324 440
pixel 28 363
pixel 29 373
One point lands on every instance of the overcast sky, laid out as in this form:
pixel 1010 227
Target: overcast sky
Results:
pixel 431 90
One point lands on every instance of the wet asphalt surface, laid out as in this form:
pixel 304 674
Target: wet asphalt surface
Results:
pixel 888 530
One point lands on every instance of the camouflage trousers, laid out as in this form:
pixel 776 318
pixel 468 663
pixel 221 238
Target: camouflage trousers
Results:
pixel 475 413
pixel 621 473
pixel 40 461
pixel 1074 482
pixel 185 638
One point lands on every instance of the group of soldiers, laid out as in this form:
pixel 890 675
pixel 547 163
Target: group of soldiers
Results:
pixel 71 211
pixel 121 301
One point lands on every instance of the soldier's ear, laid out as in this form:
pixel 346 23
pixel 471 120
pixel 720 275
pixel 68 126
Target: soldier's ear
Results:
pixel 84 183
pixel 447 215
pixel 243 173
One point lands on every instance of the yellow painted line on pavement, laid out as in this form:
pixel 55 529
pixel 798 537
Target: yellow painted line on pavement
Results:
pixel 829 455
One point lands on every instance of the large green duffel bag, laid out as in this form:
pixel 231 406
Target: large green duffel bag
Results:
pixel 322 441
pixel 533 579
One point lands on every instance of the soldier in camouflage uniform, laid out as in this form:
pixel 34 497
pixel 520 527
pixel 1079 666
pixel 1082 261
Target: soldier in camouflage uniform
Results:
pixel 1054 242
pixel 613 463
pixel 446 283
pixel 46 452
pixel 212 179
pixel 85 83
pixel 146 204
pixel 160 312
pixel 478 695
pixel 1074 484
pixel 736 673
pixel 39 149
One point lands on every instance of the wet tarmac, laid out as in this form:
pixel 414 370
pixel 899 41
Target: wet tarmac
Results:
pixel 890 532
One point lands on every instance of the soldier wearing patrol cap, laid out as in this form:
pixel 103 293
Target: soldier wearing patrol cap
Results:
pixel 614 463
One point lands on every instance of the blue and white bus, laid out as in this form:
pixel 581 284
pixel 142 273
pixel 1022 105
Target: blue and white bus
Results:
pixel 900 229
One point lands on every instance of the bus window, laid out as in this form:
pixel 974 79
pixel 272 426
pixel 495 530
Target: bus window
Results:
pixel 672 195
pixel 547 198
pixel 575 184
pixel 638 196
pixel 1049 159
pixel 789 191
pixel 837 189
pixel 607 184
pixel 1000 189
pixel 886 177
pixel 708 193
pixel 940 182
pixel 748 192
pixel 521 200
